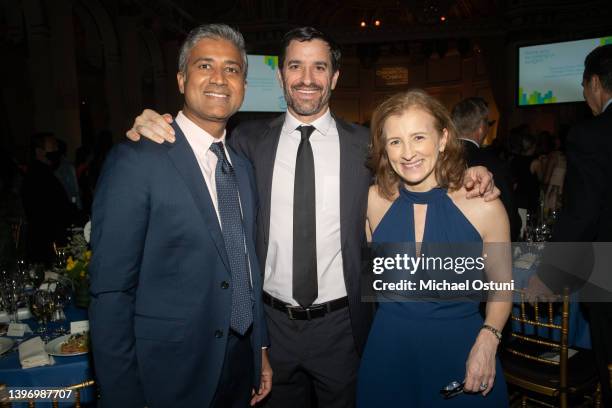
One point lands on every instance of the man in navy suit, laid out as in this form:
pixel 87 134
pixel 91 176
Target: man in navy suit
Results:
pixel 176 313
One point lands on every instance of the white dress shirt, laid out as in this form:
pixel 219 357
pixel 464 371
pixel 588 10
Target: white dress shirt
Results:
pixel 471 141
pixel 200 141
pixel 606 105
pixel 278 280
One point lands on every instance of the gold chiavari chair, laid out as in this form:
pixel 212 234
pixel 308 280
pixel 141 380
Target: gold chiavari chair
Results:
pixel 76 389
pixel 540 367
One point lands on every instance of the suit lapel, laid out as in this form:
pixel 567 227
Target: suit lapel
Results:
pixel 186 163
pixel 268 147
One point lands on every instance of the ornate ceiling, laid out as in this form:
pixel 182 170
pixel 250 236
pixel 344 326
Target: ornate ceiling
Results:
pixel 264 21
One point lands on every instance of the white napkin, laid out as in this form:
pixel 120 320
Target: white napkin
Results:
pixel 526 260
pixel 32 354
pixel 22 314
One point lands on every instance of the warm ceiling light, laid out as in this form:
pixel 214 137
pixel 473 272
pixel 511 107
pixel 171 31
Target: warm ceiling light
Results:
pixel 377 23
pixel 362 24
pixel 443 18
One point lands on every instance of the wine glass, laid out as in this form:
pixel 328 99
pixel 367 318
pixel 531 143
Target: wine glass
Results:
pixel 62 296
pixel 61 257
pixel 43 305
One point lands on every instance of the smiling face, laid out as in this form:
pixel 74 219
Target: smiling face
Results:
pixel 307 78
pixel 213 84
pixel 413 146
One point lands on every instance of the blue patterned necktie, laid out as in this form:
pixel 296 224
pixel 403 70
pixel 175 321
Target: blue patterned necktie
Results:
pixel 233 236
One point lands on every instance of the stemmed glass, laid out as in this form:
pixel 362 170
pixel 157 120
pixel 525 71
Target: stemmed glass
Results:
pixel 43 306
pixel 61 257
pixel 12 292
pixel 62 297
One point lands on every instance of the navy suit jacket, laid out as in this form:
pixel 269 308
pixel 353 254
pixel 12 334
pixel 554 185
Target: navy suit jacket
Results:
pixel 160 308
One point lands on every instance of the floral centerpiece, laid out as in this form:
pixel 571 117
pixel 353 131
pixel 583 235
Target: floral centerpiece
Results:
pixel 77 264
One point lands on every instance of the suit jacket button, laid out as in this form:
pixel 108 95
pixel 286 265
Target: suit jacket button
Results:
pixel 225 285
pixel 219 334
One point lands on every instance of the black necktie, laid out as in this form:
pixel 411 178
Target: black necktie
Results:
pixel 305 289
pixel 233 236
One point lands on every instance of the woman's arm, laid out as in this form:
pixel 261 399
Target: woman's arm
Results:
pixel 495 230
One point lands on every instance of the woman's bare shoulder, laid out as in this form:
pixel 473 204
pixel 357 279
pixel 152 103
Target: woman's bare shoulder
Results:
pixel 484 215
pixel 378 205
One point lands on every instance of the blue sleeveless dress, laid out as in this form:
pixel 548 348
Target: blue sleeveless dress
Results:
pixel 416 348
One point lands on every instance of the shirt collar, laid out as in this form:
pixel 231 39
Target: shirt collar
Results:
pixel 322 124
pixel 471 141
pixel 606 105
pixel 199 139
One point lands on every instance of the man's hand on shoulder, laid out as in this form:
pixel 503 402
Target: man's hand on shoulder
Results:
pixel 478 182
pixel 152 125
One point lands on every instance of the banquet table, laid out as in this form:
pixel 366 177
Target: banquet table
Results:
pixel 66 371
pixel 579 332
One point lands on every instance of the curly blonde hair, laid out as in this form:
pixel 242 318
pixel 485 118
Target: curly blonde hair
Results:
pixel 450 166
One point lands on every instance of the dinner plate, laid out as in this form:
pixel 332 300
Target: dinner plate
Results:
pixel 54 347
pixel 5 344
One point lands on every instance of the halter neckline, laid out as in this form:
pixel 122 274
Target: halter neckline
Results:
pixel 422 197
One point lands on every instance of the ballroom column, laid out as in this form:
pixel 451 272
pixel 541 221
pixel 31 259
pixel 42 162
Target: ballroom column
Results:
pixel 127 29
pixel 16 100
pixel 159 71
pixel 173 97
pixel 38 66
pixel 114 90
pixel 64 88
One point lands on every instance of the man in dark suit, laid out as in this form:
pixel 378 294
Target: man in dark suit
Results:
pixel 47 206
pixel 587 209
pixel 471 117
pixel 176 313
pixel 312 180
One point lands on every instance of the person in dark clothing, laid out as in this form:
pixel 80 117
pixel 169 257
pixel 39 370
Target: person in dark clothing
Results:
pixel 586 216
pixel 471 117
pixel 525 173
pixel 48 210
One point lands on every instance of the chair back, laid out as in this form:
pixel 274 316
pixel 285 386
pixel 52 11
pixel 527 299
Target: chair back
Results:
pixel 540 339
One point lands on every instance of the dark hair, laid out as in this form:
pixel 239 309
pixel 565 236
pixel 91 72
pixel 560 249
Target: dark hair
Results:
pixel 38 140
pixel 302 34
pixel 450 165
pixel 469 114
pixel 599 62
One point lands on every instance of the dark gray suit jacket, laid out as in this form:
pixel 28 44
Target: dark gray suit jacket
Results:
pixel 258 141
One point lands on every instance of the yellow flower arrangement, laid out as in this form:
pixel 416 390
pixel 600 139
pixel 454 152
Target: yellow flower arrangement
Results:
pixel 78 259
pixel 77 266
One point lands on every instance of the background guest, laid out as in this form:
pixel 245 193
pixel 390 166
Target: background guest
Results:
pixel 471 117
pixel 47 207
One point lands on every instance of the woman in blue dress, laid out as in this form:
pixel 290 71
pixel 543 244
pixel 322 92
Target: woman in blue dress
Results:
pixel 415 348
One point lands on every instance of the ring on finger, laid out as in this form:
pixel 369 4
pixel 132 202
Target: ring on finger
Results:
pixel 484 386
